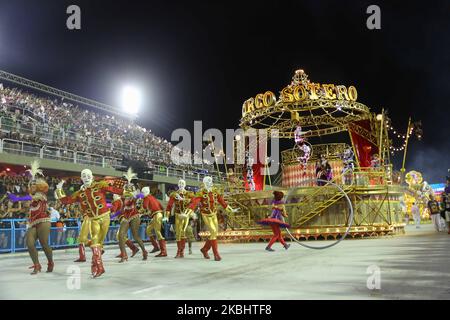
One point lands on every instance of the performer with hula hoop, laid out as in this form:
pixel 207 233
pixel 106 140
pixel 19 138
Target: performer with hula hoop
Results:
pixel 276 221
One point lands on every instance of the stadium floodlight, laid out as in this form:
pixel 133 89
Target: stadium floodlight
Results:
pixel 131 99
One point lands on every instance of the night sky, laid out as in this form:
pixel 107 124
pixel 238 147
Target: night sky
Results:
pixel 199 60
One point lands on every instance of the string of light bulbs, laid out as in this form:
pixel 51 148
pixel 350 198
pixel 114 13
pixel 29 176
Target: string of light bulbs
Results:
pixel 399 135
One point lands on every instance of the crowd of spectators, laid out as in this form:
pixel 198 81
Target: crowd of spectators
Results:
pixel 61 124
pixel 65 218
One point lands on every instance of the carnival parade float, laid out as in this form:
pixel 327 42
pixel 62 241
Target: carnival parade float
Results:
pixel 338 154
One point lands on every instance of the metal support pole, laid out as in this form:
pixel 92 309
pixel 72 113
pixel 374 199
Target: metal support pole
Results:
pixel 402 170
pixel 380 144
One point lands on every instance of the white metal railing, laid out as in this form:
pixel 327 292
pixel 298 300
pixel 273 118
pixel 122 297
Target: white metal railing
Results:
pixel 53 153
pixel 62 154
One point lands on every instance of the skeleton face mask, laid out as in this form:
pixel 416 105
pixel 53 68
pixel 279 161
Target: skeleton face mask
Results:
pixel 208 182
pixel 145 191
pixel 181 184
pixel 87 177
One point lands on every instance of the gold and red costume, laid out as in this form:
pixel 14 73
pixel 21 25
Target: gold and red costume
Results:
pixel 116 206
pixel 92 200
pixel 131 219
pixel 179 201
pixel 39 222
pixel 154 209
pixel 209 202
pixel 38 210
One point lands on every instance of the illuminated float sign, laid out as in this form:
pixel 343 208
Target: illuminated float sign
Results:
pixel 299 93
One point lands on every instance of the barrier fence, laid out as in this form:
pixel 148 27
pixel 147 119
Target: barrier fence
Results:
pixel 12 234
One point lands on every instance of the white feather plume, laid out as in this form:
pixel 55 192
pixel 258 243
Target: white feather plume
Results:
pixel 34 169
pixel 130 175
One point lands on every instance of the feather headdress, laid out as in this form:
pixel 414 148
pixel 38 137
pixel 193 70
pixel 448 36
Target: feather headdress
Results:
pixel 130 175
pixel 37 179
pixel 35 170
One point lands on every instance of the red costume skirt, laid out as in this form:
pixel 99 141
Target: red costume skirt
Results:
pixel 271 221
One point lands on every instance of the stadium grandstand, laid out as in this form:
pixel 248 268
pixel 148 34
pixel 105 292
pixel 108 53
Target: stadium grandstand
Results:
pixel 56 128
pixel 69 133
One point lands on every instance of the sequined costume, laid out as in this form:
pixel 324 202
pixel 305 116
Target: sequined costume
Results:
pixel 276 221
pixel 179 201
pixel 349 166
pixel 304 158
pixel 298 136
pixel 249 168
pixel 92 200
pixel 208 203
pixel 38 219
pixel 323 172
pixel 130 219
pixel 116 210
pixel 153 208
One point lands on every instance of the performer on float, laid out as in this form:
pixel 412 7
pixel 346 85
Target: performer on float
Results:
pixel 303 159
pixel 298 136
pixel 179 200
pixel 152 207
pixel 375 163
pixel 349 165
pixel 249 167
pixel 39 224
pixel 116 210
pixel 323 171
pixel 131 218
pixel 92 200
pixel 275 220
pixel 209 198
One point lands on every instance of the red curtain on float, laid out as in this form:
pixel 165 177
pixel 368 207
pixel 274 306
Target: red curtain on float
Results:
pixel 364 148
pixel 258 167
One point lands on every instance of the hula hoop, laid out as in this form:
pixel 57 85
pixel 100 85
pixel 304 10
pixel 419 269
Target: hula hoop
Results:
pixel 346 231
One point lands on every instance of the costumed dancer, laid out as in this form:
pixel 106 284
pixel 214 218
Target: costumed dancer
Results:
pixel 275 220
pixel 303 159
pixel 375 162
pixel 131 218
pixel 298 136
pixel 116 210
pixel 249 167
pixel 154 209
pixel 92 200
pixel 323 171
pixel 209 198
pixel 179 200
pixel 349 166
pixel 39 223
